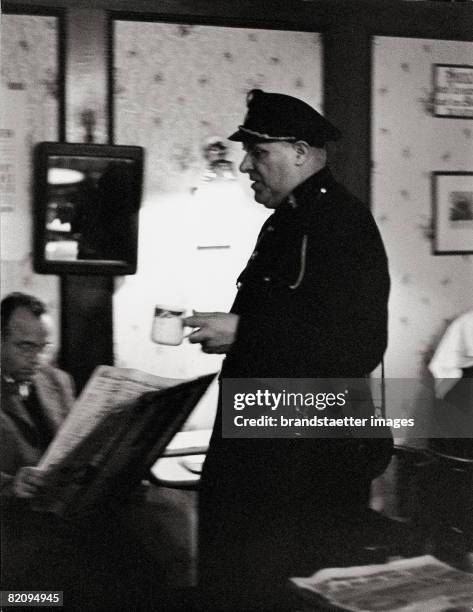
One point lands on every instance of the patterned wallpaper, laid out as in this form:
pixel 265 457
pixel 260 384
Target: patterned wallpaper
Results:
pixel 29 58
pixel 176 86
pixel 29 64
pixel 408 144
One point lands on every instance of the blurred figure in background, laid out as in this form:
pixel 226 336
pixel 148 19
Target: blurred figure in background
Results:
pixel 105 228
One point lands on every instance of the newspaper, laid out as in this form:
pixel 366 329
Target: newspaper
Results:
pixel 117 429
pixel 419 584
pixel 108 390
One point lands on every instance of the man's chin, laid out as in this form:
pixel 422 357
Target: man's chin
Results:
pixel 264 198
pixel 267 203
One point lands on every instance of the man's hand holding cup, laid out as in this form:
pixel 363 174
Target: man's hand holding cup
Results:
pixel 216 331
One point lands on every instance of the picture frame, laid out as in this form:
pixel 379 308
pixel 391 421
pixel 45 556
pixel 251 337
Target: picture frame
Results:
pixel 452 213
pixel 453 91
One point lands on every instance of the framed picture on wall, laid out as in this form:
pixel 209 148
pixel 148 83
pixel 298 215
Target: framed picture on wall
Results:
pixel 453 87
pixel 453 212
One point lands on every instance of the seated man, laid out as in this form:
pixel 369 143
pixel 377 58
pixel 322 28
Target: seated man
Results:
pixel 96 562
pixel 35 397
pixel 35 400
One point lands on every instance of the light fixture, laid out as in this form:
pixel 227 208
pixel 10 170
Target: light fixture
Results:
pixel 215 151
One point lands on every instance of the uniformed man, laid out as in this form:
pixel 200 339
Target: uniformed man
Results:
pixel 311 303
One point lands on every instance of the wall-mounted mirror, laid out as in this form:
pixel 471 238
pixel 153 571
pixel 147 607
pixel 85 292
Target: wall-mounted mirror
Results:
pixel 87 199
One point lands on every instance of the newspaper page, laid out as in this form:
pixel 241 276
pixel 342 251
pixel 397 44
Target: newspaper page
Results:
pixel 109 390
pixel 109 464
pixel 419 584
pixel 105 466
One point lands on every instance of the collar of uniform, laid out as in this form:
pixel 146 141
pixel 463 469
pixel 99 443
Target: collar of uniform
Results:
pixel 303 194
pixel 320 182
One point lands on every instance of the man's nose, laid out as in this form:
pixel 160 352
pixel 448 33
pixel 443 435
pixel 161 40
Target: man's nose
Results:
pixel 35 359
pixel 246 164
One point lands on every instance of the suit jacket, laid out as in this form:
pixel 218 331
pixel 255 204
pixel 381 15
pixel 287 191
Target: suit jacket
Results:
pixel 55 395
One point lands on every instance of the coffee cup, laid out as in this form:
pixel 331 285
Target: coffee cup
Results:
pixel 168 325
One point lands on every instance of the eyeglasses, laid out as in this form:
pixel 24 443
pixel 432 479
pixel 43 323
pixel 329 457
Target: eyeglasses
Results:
pixel 30 348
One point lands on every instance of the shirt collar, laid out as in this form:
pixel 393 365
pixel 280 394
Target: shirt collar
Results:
pixel 22 388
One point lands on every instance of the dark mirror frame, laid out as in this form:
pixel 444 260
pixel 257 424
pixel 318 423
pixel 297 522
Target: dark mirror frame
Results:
pixel 81 154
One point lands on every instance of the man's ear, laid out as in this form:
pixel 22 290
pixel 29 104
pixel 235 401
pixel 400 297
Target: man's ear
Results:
pixel 301 148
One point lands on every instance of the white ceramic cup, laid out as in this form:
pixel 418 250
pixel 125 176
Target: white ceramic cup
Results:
pixel 168 325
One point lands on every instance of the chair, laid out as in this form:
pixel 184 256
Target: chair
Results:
pixel 441 509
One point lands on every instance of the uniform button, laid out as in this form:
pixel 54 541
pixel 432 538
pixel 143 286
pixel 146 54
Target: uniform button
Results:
pixel 270 228
pixel 239 285
pixel 254 255
pixel 266 279
pixel 323 190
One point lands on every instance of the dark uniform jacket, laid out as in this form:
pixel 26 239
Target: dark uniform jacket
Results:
pixel 312 302
pixel 321 315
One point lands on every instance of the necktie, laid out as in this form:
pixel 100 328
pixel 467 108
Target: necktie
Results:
pixel 44 430
pixel 37 430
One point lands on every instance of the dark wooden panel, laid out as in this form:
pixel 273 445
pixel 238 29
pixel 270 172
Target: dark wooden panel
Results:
pixel 86 301
pixel 347 101
pixel 86 325
pixel 429 19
